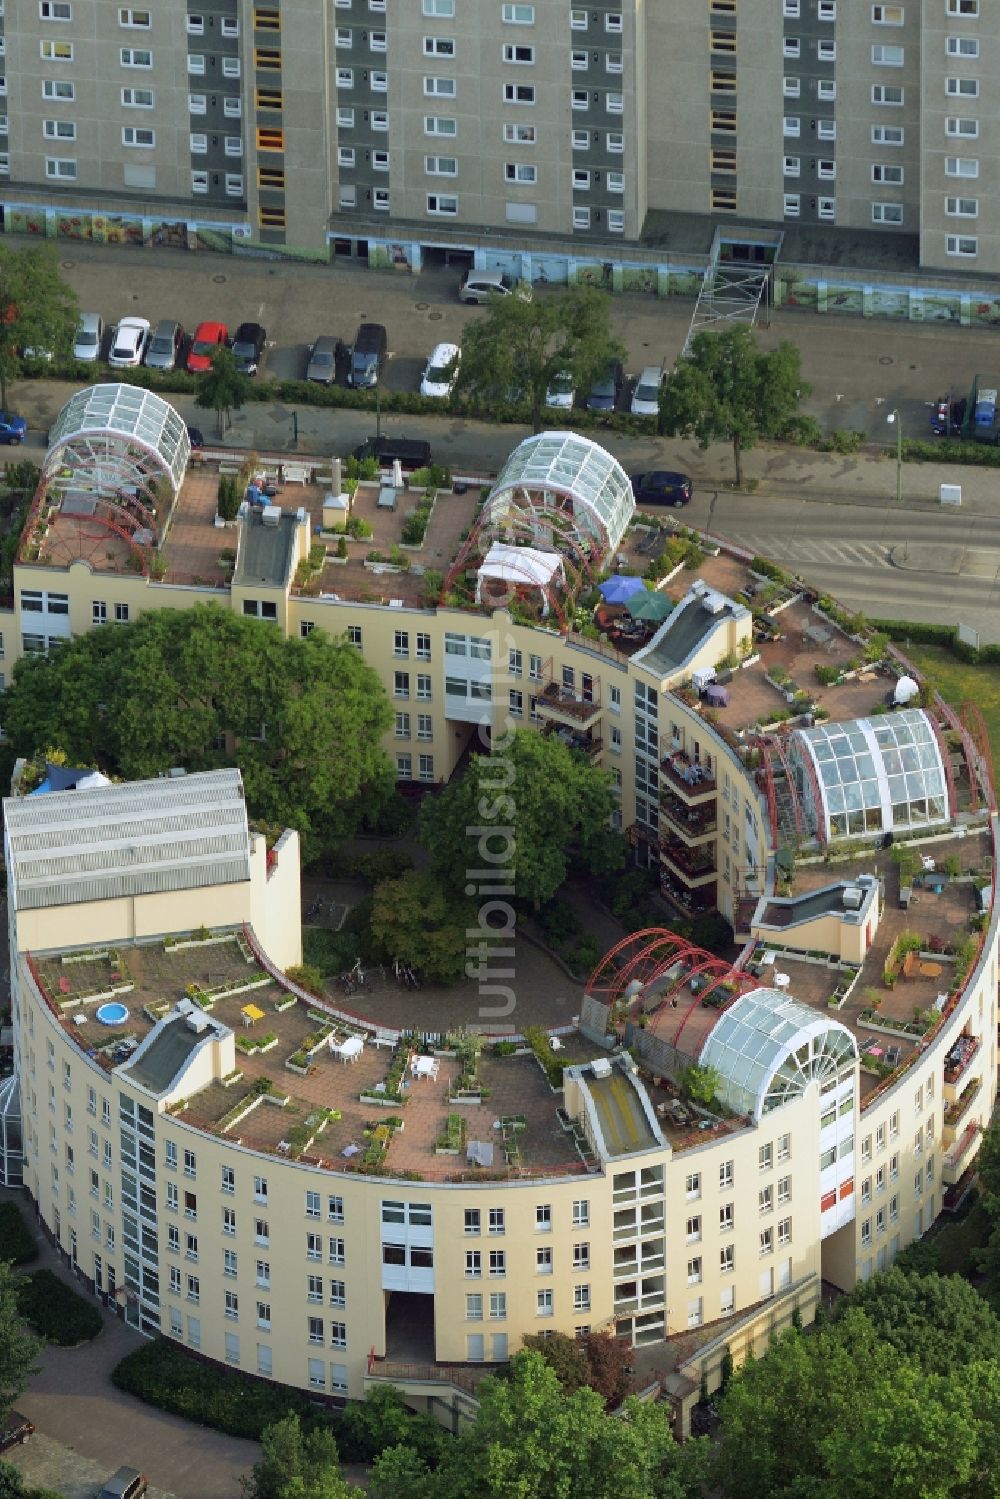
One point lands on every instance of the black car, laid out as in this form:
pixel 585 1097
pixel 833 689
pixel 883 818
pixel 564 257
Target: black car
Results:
pixel 411 452
pixel 248 347
pixel 607 388
pixel 662 486
pixel 947 418
pixel 15 1431
pixel 196 438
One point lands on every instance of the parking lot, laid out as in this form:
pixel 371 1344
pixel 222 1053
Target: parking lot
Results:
pixel 859 372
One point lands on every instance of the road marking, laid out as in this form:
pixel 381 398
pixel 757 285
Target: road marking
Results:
pixel 796 549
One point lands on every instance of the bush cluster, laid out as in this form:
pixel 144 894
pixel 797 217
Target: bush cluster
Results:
pixel 923 633
pixel 17 1242
pixel 56 1311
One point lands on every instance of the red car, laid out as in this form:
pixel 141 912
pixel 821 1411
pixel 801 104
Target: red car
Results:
pixel 207 338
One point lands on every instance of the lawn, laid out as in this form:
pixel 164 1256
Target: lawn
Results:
pixel 958 682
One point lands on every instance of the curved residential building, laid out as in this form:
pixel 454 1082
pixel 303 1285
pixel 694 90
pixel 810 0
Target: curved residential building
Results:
pixel 291 1188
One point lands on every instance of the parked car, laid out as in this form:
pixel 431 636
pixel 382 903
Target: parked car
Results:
pixel 607 388
pixel 948 417
pixel 12 428
pixel 367 356
pixel 207 338
pixel 646 396
pixel 128 343
pixel 411 452
pixel 322 366
pixel 478 286
pixel 248 347
pixel 165 346
pixel 127 1483
pixel 89 337
pixel 662 486
pixel 561 393
pixel 442 371
pixel 15 1431
pixel 196 438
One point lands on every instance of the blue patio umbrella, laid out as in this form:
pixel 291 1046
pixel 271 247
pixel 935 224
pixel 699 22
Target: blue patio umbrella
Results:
pixel 620 587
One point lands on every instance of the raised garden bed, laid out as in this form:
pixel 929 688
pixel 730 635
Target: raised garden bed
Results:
pixel 252 1044
pixel 452 1137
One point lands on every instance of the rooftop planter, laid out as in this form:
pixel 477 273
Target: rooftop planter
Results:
pixel 452 1137
pixel 255 1044
pixel 201 938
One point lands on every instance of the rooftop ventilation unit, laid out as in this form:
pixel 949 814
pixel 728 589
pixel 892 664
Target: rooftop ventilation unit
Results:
pixel 713 602
pixel 601 1067
pixel 197 1022
pixel 271 515
pixel 853 896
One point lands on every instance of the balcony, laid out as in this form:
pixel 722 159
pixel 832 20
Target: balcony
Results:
pixel 692 823
pixel 958 1060
pixel 693 865
pixel 586 743
pixel 566 705
pixel 956 1112
pixel 961 1154
pixel 690 899
pixel 693 782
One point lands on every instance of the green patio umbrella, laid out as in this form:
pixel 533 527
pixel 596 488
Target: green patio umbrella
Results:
pixel 648 606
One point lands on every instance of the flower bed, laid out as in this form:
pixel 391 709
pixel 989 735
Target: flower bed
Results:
pixel 240 1110
pixel 452 1137
pixel 257 1043
pixel 201 938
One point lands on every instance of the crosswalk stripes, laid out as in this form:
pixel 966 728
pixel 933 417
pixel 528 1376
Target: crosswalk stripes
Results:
pixel 796 549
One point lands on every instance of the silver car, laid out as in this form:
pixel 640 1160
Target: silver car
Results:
pixel 322 366
pixel 165 346
pixel 89 337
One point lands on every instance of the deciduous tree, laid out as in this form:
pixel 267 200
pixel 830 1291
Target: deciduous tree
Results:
pixel 18 1345
pixel 726 389
pixel 515 349
pixel 534 808
pixel 222 388
pixel 38 310
pixel 416 921
pixel 201 687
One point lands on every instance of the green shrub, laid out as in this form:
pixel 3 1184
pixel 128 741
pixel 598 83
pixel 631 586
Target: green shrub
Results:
pixel 56 1311
pixel 358 528
pixel 558 921
pixel 17 1243
pixel 163 1375
pixel 329 952
pixel 307 977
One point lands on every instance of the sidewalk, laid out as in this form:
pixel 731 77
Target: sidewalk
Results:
pixel 482 447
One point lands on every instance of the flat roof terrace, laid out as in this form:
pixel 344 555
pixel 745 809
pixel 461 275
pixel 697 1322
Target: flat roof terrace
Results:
pixel 297 1096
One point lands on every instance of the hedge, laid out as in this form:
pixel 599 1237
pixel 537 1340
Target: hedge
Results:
pixel 55 1311
pixel 164 1375
pixel 922 633
pixel 17 1243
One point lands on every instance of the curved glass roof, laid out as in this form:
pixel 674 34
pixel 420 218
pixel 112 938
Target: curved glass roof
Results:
pixel 125 416
pixel 564 463
pixel 768 1048
pixel 877 775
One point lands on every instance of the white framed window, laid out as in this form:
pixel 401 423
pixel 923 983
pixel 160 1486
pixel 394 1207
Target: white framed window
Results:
pixel 439 46
pixel 230 27
pixel 138 20
pixel 195 63
pixel 615 182
pixel 791 205
pixel 345 156
pixel 379 120
pixel 962 208
pixel 962 88
pixel 826 10
pixel 614 62
pixel 581 180
pixel 961 166
pixel 232 106
pixel 521 53
pixel 134 135
pixel 826 51
pixel 521 173
pixel 792 166
pixel 198 144
pixel 614 104
pixel 885 55
pixel 59 130
pixel 887 135
pixel 55 10
pixel 62 168
pixel 961 46
pixel 520 135
pixel 345 119
pixel 887 213
pixel 195 25
pixel 441 166
pixel 892 175
pixel 380 199
pixel 961 244
pixel 343 38
pixel 518 93
pixel 580 98
pixel 231 67
pixel 444 9
pixel 826 208
pixel 50 51
pixel 956 125
pixel 964 10
pixel 140 57
pixel 440 88
pixel 578 20
pixel 345 77
pixel 826 89
pixel 440 125
pixel 138 98
pixel 791 126
pixel 615 142
pixel 581 218
pixel 613 24
pixel 791 9
pixel 791 46
pixel 197 104
pixel 380 161
pixel 826 130
pixel 791 87
pixel 378 41
pixel 826 169
pixel 234 184
pixel 57 88
pixel 442 204
pixel 887 93
pixel 887 15
pixel 199 182
pixel 234 145
pixel 518 15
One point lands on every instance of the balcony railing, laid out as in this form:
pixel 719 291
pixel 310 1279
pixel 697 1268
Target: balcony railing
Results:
pixel 587 744
pixel 690 822
pixel 956 1112
pixel 958 1157
pixel 693 781
pixel 694 863
pixel 443 1374
pixel 565 702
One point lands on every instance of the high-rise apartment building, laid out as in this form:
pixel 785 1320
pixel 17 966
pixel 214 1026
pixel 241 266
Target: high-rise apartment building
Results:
pixel 464 123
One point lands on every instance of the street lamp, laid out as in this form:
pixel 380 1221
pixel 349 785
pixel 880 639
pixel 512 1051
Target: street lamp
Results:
pixel 894 419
